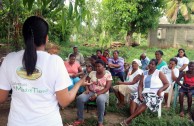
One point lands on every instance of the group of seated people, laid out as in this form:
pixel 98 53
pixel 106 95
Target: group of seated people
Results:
pixel 145 80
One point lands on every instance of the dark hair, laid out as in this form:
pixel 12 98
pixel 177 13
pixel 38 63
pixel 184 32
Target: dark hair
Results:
pixel 116 51
pixel 94 57
pixel 72 55
pixel 181 49
pixel 99 51
pixel 100 62
pixel 160 51
pixel 191 62
pixel 154 60
pixel 174 59
pixel 35 30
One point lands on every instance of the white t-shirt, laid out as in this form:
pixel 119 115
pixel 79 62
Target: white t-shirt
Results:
pixel 181 61
pixel 130 78
pixel 34 101
pixel 168 73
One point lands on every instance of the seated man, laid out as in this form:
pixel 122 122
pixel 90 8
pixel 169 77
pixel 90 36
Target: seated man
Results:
pixel 116 65
pixel 171 73
pixel 79 57
pixel 144 61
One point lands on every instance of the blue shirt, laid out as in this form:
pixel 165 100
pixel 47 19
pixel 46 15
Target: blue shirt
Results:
pixel 145 63
pixel 119 61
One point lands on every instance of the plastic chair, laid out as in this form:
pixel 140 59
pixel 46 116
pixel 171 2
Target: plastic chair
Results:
pixel 168 101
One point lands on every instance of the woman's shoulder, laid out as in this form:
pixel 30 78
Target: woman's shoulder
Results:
pixel 107 72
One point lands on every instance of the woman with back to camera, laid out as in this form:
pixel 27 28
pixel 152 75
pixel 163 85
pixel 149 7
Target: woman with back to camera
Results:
pixel 38 80
pixel 183 61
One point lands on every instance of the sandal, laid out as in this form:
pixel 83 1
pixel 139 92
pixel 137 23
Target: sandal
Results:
pixel 123 123
pixel 78 122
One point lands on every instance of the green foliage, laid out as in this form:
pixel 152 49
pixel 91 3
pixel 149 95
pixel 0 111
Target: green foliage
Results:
pixel 134 16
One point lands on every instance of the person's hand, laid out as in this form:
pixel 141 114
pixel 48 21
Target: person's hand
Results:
pixel 92 98
pixel 119 82
pixel 87 83
pixel 185 87
pixel 83 81
pixel 110 65
pixel 74 75
pixel 86 92
pixel 159 93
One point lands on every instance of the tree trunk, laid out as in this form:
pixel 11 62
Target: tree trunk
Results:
pixel 129 38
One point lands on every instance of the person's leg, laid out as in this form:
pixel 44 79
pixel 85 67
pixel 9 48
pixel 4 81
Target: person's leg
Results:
pixel 133 106
pixel 140 109
pixel 122 99
pixel 80 101
pixel 100 101
pixel 189 100
pixel 165 99
pixel 181 96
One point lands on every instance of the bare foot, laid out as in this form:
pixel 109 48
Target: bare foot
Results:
pixel 100 124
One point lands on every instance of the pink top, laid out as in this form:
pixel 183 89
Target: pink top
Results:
pixel 99 84
pixel 72 69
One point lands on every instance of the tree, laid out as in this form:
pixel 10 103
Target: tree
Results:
pixel 179 11
pixel 131 16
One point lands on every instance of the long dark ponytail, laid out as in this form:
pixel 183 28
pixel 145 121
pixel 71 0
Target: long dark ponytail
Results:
pixel 35 31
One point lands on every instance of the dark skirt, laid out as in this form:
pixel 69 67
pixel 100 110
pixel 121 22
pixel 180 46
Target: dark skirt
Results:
pixel 186 90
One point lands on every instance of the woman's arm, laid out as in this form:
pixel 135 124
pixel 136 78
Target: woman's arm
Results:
pixel 135 80
pixel 183 67
pixel 179 78
pixel 80 71
pixel 173 76
pixel 140 88
pixel 65 97
pixel 165 83
pixel 3 95
pixel 107 87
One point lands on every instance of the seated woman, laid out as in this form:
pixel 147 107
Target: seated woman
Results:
pixel 187 88
pixel 183 61
pixel 131 83
pixel 74 70
pixel 161 62
pixel 150 92
pixel 100 80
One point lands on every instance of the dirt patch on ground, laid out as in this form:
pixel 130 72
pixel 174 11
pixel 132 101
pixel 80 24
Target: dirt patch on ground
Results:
pixel 68 115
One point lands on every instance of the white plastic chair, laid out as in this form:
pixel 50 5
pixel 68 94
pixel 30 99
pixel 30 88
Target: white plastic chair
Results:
pixel 170 92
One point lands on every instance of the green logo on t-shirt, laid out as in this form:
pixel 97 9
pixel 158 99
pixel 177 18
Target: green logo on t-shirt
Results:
pixel 21 72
